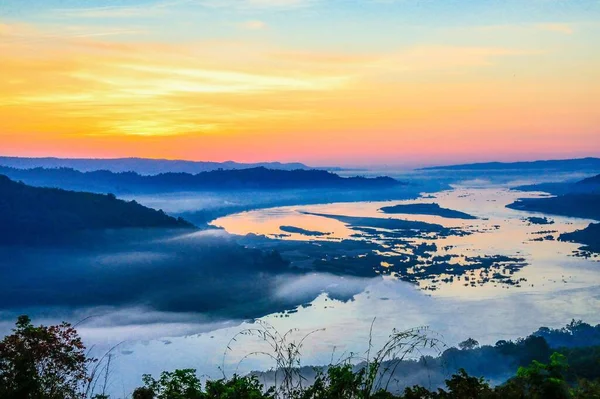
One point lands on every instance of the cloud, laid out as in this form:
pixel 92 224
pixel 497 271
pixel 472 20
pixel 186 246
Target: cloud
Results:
pixel 135 11
pixel 162 8
pixel 307 287
pixel 556 27
pixel 255 4
pixel 254 25
pixel 527 28
pixel 147 88
pixel 425 58
pixel 278 3
pixel 16 33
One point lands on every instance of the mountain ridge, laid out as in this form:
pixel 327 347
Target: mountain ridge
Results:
pixel 252 178
pixel 143 166
pixel 568 164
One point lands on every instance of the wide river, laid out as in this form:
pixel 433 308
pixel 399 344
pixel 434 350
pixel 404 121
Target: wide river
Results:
pixel 533 280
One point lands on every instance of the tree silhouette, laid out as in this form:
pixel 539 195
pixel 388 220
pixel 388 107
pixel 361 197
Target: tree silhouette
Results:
pixel 43 362
pixel 468 344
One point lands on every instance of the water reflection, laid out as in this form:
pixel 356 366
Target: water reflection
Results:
pixel 500 249
pixel 365 267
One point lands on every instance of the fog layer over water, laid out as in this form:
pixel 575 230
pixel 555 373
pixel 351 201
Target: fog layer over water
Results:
pixel 553 286
pixel 176 300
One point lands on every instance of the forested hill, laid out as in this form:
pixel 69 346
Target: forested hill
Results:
pixel 28 213
pixel 579 164
pixel 589 185
pixel 253 178
pixel 595 180
pixel 572 205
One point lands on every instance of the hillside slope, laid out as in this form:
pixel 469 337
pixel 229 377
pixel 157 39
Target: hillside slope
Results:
pixel 573 205
pixel 28 213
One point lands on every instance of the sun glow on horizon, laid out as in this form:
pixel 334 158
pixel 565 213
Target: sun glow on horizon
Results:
pixel 252 83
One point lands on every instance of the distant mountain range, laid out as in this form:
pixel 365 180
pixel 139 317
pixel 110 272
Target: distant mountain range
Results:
pixel 143 166
pixel 30 214
pixel 235 179
pixel 579 164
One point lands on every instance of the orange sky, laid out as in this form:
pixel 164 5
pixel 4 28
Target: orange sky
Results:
pixel 473 92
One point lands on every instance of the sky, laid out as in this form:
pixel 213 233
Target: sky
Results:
pixel 325 82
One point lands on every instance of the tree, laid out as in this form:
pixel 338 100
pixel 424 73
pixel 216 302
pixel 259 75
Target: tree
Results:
pixel 468 344
pixel 183 384
pixel 540 381
pixel 463 386
pixel 238 388
pixel 43 362
pixel 178 384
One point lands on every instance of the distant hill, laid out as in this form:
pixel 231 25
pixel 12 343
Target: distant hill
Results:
pixel 586 186
pixel 573 205
pixel 143 166
pixel 254 178
pixel 28 214
pixel 578 199
pixel 595 180
pixel 579 164
pixel 590 236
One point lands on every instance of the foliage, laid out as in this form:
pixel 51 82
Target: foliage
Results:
pixel 237 388
pixel 543 381
pixel 468 344
pixel 51 363
pixel 184 384
pixel 179 384
pixel 43 362
pixel 375 371
pixel 573 334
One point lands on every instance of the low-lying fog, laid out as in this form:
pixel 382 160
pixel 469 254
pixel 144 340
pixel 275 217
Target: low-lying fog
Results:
pixel 173 300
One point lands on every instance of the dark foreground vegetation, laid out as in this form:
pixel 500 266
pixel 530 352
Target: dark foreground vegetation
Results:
pixel 30 213
pixel 51 362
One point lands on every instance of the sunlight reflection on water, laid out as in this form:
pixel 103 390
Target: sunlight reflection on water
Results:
pixel 496 231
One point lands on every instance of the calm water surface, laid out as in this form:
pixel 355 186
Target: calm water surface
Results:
pixel 553 286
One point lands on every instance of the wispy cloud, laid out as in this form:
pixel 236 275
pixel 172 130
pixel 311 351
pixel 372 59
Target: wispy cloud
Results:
pixel 425 58
pixel 132 89
pixel 556 27
pixel 25 33
pixel 256 4
pixel 169 8
pixel 155 9
pixel 253 25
